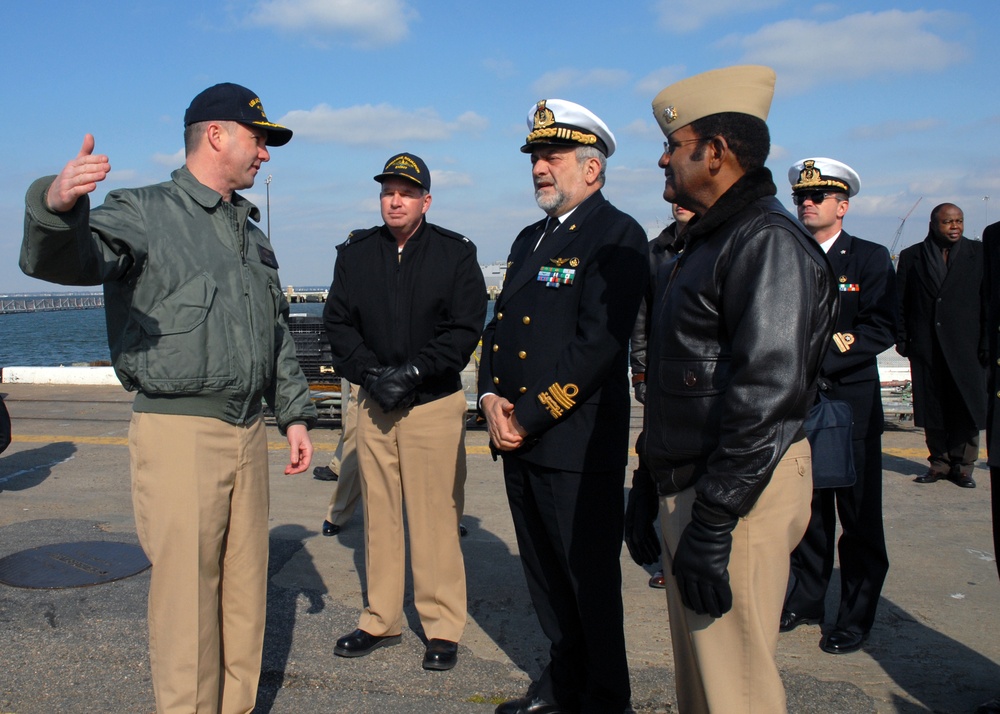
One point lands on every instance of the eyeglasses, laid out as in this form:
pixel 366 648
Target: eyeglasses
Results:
pixel 817 197
pixel 670 148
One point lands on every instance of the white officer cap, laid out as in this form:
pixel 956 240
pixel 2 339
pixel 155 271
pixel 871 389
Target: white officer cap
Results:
pixel 820 173
pixel 556 121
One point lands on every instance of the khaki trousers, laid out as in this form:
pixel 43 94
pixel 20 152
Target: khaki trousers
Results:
pixel 412 458
pixel 200 494
pixel 727 665
pixel 344 463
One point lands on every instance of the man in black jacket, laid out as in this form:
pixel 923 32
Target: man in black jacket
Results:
pixel 640 536
pixel 866 326
pixel 738 333
pixel 405 310
pixel 942 331
pixel 554 390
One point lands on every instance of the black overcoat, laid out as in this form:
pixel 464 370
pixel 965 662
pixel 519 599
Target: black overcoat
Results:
pixel 991 286
pixel 943 329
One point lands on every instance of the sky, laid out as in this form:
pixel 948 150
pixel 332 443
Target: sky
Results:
pixel 904 92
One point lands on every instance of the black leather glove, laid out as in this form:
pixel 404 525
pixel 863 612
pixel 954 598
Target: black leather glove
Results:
pixel 701 564
pixel 640 392
pixel 370 375
pixel 396 388
pixel 643 505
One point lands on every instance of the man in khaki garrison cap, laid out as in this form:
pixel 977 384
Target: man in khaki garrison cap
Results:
pixel 737 337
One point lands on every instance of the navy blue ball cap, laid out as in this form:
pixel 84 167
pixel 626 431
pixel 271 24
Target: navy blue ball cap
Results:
pixel 231 102
pixel 408 166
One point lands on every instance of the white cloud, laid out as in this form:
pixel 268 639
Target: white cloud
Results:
pixel 450 179
pixel 170 160
pixel 377 125
pixel 683 16
pixel 893 129
pixel 862 45
pixel 501 68
pixel 369 22
pixel 556 81
pixel 652 83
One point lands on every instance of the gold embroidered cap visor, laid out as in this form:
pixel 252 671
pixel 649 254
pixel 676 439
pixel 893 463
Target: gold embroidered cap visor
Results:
pixel 820 173
pixel 744 89
pixel 557 121
pixel 231 102
pixel 408 166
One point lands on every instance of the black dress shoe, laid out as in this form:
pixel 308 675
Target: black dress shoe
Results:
pixel 329 529
pixel 843 642
pixel 790 620
pixel 440 654
pixel 930 477
pixel 324 473
pixel 359 643
pixel 528 705
pixel 962 480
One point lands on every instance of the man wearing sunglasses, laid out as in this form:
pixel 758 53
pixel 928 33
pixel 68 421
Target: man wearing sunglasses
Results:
pixel 739 330
pixel 821 190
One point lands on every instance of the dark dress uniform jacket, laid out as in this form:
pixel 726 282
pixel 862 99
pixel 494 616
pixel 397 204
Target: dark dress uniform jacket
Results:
pixel 866 327
pixel 559 353
pixel 952 316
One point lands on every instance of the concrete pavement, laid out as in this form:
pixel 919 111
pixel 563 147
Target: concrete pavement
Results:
pixel 65 478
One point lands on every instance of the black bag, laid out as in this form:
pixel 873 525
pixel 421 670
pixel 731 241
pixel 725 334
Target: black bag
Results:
pixel 828 428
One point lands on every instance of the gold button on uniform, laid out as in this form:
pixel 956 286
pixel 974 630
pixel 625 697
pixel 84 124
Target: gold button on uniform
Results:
pixel 496 347
pixel 496 380
pixel 526 320
pixel 522 390
pixel 522 354
pixel 499 315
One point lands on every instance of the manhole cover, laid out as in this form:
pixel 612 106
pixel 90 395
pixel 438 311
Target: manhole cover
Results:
pixel 72 565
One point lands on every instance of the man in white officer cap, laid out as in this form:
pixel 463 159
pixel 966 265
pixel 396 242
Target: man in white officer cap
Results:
pixel 866 326
pixel 554 390
pixel 738 335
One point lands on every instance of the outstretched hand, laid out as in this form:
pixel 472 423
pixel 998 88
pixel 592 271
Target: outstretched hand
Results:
pixel 78 178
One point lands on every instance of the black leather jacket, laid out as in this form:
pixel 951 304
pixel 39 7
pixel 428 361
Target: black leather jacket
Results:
pixel 741 323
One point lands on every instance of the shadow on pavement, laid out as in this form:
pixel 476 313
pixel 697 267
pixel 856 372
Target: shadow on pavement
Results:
pixel 22 470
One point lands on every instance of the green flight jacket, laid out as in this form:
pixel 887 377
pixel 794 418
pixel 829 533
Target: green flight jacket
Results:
pixel 197 322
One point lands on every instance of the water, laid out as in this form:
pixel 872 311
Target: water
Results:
pixel 67 337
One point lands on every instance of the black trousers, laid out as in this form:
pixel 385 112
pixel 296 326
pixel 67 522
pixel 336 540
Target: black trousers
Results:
pixel 953 449
pixel 569 529
pixel 863 558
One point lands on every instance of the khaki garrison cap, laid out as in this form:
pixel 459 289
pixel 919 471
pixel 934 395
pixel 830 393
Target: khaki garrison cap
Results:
pixel 746 89
pixel 820 173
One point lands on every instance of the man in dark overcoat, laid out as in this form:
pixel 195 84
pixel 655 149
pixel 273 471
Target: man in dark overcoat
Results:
pixel 942 331
pixel 991 286
pixel 553 387
pixel 866 327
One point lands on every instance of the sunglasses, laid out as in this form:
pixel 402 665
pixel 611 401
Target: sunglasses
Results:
pixel 817 197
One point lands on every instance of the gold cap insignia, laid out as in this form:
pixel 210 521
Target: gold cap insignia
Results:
pixel 543 116
pixel 669 114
